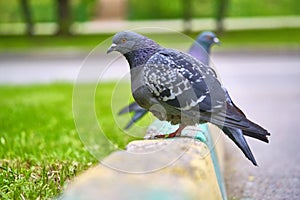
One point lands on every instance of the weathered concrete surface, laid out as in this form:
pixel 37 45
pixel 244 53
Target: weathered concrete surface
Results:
pixel 189 176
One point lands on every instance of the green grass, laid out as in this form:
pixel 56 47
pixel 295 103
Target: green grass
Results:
pixel 244 38
pixel 13 42
pixel 40 149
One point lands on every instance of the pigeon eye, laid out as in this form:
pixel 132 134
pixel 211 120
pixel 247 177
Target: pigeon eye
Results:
pixel 123 40
pixel 208 37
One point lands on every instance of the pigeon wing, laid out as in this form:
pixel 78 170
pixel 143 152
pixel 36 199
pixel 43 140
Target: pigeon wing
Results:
pixel 181 81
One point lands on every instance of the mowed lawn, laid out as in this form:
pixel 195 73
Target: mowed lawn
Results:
pixel 40 149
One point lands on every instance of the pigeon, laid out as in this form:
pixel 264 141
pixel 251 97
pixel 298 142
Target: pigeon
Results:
pixel 200 50
pixel 138 111
pixel 202 46
pixel 178 88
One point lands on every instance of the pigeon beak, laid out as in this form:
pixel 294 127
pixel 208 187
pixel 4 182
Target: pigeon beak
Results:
pixel 111 48
pixel 217 41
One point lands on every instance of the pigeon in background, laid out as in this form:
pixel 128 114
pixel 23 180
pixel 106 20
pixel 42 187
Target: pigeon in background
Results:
pixel 202 46
pixel 200 50
pixel 178 88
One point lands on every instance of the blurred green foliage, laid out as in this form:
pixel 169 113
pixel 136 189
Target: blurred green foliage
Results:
pixel 241 8
pixel 84 10
pixel 45 10
pixel 167 9
pixel 170 9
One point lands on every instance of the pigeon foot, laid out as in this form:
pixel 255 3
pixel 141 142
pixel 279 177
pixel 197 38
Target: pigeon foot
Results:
pixel 171 135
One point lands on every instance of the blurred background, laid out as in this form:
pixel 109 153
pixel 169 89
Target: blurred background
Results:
pixel 64 17
pixel 68 29
pixel 43 45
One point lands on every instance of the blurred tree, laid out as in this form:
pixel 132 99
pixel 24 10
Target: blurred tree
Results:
pixel 221 10
pixel 64 19
pixel 27 16
pixel 187 15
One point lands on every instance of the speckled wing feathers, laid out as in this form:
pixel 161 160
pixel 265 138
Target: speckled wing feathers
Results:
pixel 181 81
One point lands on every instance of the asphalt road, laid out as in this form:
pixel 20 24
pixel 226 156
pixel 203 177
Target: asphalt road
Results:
pixel 267 88
pixel 266 85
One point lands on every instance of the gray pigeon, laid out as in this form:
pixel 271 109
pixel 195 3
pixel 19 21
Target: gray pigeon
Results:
pixel 178 88
pixel 200 50
pixel 202 46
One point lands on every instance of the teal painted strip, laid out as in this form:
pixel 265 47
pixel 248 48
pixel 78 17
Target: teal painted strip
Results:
pixel 163 127
pixel 209 143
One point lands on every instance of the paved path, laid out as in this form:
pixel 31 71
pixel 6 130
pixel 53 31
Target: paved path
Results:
pixel 42 67
pixel 267 88
pixel 265 85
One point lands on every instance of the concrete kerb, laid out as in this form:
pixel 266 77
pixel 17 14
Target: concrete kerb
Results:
pixel 194 174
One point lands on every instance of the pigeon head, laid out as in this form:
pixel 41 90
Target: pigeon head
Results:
pixel 202 46
pixel 207 38
pixel 127 41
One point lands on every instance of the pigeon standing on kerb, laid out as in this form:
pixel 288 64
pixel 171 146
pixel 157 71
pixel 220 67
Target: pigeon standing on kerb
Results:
pixel 200 49
pixel 178 88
